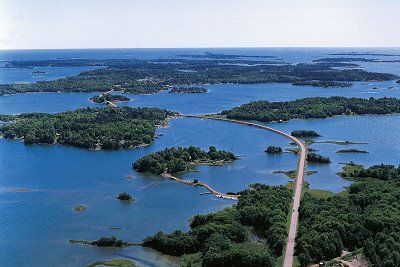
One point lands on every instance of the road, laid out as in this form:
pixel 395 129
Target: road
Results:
pixel 301 170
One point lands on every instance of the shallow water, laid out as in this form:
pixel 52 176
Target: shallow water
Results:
pixel 36 225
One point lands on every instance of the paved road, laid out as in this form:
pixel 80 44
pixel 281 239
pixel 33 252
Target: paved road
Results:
pixel 301 170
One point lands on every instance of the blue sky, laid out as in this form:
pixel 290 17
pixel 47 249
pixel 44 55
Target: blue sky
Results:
pixel 198 23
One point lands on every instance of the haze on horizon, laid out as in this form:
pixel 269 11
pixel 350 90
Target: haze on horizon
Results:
pixel 26 24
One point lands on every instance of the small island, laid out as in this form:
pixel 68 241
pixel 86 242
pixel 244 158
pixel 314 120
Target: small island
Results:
pixel 108 97
pixel 324 84
pixel 188 90
pixel 80 208
pixel 174 160
pixel 274 150
pixel 125 197
pixel 114 263
pixel 352 150
pixel 305 134
pixel 316 158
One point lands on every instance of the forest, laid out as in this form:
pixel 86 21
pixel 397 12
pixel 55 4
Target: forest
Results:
pixel 305 133
pixel 90 128
pixel 226 237
pixel 145 77
pixel 173 160
pixel 316 158
pixel 109 97
pixel 312 107
pixel 366 215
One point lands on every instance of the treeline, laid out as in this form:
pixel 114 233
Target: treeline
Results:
pixel 145 77
pixel 224 238
pixel 381 172
pixel 109 97
pixel 305 133
pixel 316 158
pixel 312 107
pixel 188 90
pixel 91 128
pixel 180 159
pixel 366 216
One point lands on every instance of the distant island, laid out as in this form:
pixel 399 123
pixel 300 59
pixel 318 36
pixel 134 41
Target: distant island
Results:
pixel 173 160
pixel 311 108
pixel 90 128
pixel 304 134
pixel 147 77
pixel 352 150
pixel 108 97
pixel 188 90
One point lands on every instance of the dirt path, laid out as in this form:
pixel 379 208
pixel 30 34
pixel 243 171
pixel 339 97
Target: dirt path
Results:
pixel 301 170
pixel 199 183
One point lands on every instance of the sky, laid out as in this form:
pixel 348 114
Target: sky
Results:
pixel 52 24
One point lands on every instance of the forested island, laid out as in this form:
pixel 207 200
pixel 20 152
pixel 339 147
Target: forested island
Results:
pixel 305 134
pixel 108 97
pixel 352 150
pixel 315 158
pixel 366 216
pixel 90 128
pixel 188 90
pixel 324 84
pixel 173 160
pixel 227 237
pixel 312 107
pixel 274 150
pixel 146 77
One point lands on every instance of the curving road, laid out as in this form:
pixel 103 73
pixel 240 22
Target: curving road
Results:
pixel 301 170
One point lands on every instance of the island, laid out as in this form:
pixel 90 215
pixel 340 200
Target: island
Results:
pixel 188 90
pixel 250 233
pixel 90 128
pixel 312 108
pixel 125 197
pixel 315 158
pixel 108 97
pixel 114 263
pixel 274 150
pixel 362 220
pixel 305 134
pixel 139 76
pixel 324 84
pixel 352 150
pixel 80 208
pixel 174 160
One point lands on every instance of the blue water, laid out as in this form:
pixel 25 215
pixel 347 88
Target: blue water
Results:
pixel 36 225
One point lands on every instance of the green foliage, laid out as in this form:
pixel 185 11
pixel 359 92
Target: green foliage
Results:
pixel 125 197
pixel 109 97
pixel 146 77
pixel 179 159
pixel 315 158
pixel 223 238
pixel 107 128
pixel 366 216
pixel 274 150
pixel 305 134
pixel 312 107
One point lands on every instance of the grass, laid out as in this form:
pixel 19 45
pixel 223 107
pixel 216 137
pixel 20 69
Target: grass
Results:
pixel 114 263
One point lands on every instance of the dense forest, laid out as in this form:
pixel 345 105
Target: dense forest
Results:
pixel 366 215
pixel 180 159
pixel 226 237
pixel 312 107
pixel 109 97
pixel 315 158
pixel 187 90
pixel 91 128
pixel 146 77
